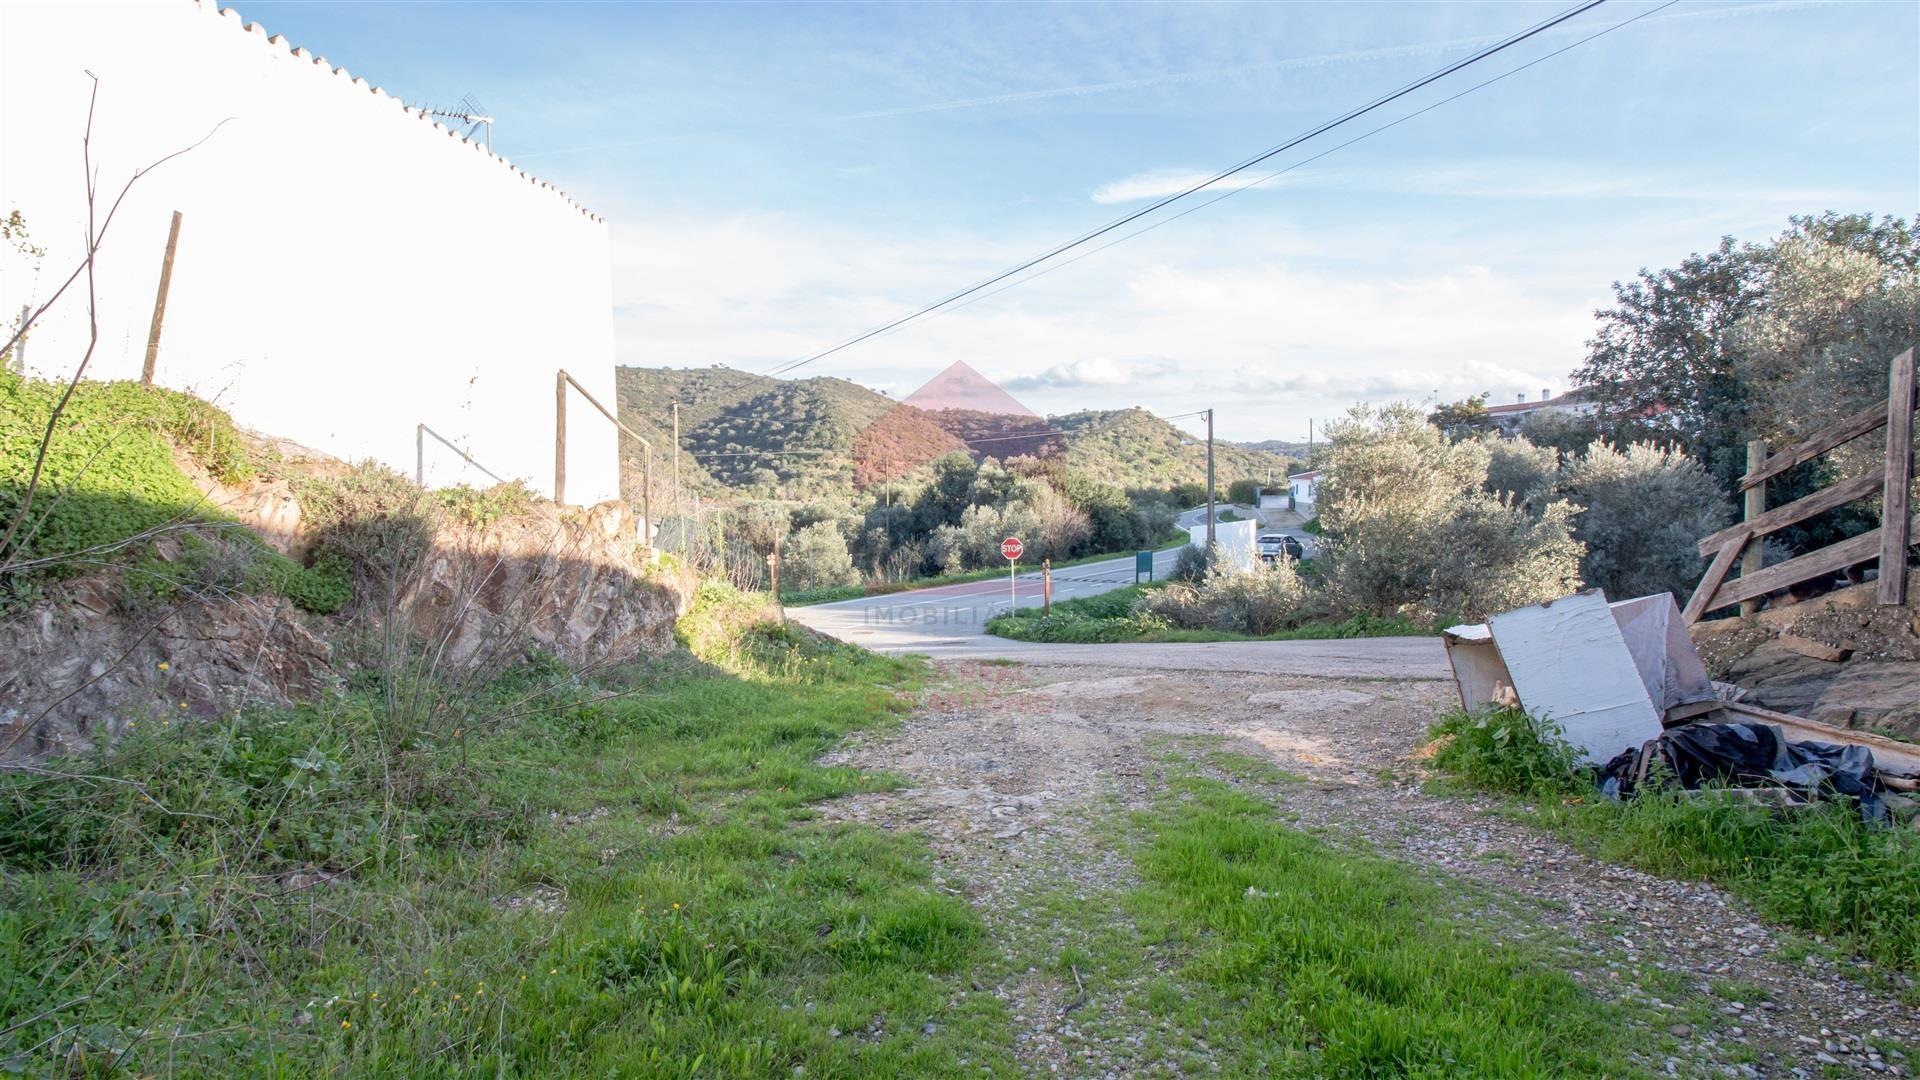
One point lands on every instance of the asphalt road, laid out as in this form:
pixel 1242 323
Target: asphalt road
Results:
pixel 948 622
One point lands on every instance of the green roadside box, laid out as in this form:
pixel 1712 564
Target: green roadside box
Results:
pixel 1142 564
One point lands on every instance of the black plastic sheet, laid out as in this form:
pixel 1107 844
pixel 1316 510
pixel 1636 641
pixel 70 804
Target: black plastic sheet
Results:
pixel 1748 755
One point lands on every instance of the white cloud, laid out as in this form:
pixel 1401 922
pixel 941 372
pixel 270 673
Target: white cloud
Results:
pixel 1159 183
pixel 1100 371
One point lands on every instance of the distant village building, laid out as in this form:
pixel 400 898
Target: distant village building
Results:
pixel 1304 489
pixel 1509 418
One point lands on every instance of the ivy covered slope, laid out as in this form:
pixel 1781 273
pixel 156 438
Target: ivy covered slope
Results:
pixel 111 477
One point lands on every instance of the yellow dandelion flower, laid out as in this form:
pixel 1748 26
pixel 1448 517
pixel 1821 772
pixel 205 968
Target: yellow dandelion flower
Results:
pixel 456 997
pixel 553 971
pixel 375 994
pixel 183 704
pixel 676 907
pixel 346 1023
pixel 163 665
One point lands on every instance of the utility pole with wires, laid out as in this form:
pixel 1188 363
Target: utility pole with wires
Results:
pixel 1210 541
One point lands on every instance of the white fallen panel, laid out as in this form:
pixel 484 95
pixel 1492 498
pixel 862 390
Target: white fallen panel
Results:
pixel 1663 652
pixel 1570 664
pixel 1478 671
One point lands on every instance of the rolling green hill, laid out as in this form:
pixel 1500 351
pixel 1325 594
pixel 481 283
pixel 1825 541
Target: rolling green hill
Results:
pixel 822 437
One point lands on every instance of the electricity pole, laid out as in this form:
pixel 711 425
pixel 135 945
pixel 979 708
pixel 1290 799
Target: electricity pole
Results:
pixel 1210 543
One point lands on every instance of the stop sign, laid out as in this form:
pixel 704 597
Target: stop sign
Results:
pixel 1011 547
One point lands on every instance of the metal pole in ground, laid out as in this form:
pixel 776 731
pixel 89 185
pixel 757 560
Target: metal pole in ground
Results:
pixel 420 454
pixel 1753 559
pixel 676 467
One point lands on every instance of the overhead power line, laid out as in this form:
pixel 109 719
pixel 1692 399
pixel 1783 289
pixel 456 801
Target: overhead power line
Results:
pixel 1344 118
pixel 1230 192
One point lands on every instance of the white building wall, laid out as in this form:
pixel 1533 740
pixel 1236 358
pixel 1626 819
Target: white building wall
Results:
pixel 346 268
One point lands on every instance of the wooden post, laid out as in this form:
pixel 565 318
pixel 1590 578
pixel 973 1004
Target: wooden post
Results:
pixel 1894 525
pixel 773 568
pixel 1046 586
pixel 160 303
pixel 420 454
pixel 20 347
pixel 560 438
pixel 1753 507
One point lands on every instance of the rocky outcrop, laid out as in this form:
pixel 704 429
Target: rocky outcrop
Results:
pixel 574 583
pixel 87 661
pixel 1840 658
pixel 82 667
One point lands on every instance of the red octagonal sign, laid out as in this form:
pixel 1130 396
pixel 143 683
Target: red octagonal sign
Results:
pixel 1011 547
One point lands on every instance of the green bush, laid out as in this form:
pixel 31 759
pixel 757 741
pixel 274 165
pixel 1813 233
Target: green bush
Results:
pixel 481 507
pixel 1256 602
pixel 1506 750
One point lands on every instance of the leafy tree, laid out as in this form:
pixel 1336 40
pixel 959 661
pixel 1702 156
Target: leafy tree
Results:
pixel 817 556
pixel 1464 418
pixel 1642 513
pixel 1521 473
pixel 1566 432
pixel 1411 530
pixel 1243 491
pixel 1660 364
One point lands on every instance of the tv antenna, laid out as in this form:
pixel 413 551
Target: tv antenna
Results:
pixel 469 111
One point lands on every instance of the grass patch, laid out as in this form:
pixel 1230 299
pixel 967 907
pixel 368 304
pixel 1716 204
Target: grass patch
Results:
pixel 1325 962
pixel 110 473
pixel 1821 869
pixel 630 886
pixel 1110 617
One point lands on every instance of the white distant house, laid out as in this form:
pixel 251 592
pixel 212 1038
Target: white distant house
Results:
pixel 1510 417
pixel 1304 490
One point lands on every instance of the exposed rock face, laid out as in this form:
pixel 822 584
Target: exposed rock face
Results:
pixel 95 669
pixel 1840 658
pixel 574 583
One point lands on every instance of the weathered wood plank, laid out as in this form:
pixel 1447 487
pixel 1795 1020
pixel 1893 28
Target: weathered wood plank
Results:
pixel 1862 548
pixel 1894 532
pixel 1813 446
pixel 1827 498
pixel 1890 754
pixel 1710 584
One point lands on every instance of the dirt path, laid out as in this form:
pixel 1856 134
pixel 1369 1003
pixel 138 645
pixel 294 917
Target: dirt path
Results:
pixel 1020 774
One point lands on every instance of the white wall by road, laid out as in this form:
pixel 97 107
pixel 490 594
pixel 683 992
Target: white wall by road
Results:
pixel 346 268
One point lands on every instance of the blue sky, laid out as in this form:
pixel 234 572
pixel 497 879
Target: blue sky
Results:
pixel 783 176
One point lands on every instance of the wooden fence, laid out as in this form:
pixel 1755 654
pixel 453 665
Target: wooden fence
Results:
pixel 1888 543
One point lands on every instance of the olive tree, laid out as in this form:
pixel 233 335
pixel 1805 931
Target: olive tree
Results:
pixel 1642 511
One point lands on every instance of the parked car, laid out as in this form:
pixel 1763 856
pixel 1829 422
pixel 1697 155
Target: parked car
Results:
pixel 1275 545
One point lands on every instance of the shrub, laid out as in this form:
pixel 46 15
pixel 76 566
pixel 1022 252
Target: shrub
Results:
pixel 1192 563
pixel 371 523
pixel 1412 531
pixel 481 507
pixel 1521 473
pixel 1642 512
pixel 816 557
pixel 1506 750
pixel 1492 557
pixel 1258 602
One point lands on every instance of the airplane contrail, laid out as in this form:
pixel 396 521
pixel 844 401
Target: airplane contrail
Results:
pixel 1167 79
